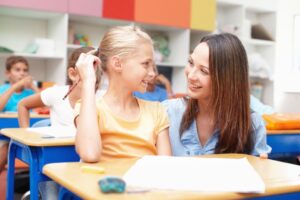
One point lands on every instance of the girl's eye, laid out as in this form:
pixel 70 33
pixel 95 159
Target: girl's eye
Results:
pixel 190 62
pixel 146 64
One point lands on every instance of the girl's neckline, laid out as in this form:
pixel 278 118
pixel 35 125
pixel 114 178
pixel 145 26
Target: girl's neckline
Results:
pixel 121 118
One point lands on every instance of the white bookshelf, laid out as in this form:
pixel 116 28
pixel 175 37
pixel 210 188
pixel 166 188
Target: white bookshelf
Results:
pixel 95 28
pixel 242 14
pixel 20 26
pixel 73 46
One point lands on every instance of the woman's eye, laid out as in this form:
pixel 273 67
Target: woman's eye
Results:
pixel 204 71
pixel 190 62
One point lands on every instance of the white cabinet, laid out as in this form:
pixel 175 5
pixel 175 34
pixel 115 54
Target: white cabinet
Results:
pixel 21 26
pixel 95 28
pixel 238 16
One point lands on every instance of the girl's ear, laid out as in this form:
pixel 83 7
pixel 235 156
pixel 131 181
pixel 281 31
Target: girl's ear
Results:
pixel 73 74
pixel 116 64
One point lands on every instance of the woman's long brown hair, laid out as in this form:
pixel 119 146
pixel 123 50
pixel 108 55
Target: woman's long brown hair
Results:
pixel 230 100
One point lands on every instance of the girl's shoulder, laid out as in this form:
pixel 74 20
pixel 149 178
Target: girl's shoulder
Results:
pixel 54 92
pixel 58 88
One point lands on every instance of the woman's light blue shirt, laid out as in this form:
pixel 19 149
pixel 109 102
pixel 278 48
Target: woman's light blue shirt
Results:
pixel 189 144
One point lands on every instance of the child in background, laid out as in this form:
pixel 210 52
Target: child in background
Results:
pixel 61 110
pixel 154 91
pixel 216 118
pixel 20 86
pixel 120 125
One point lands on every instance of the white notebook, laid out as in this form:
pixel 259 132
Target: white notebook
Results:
pixel 194 174
pixel 55 131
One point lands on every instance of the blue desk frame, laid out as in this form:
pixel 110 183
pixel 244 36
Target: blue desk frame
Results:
pixel 13 122
pixel 285 144
pixel 36 158
pixel 66 194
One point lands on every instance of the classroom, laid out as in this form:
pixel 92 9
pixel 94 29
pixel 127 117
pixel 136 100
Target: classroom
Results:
pixel 149 99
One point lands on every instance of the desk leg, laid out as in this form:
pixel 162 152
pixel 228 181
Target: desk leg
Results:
pixel 11 171
pixel 34 173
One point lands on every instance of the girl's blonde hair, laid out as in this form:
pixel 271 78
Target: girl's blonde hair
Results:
pixel 121 41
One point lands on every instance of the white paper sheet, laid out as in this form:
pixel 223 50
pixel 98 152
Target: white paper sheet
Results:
pixel 55 131
pixel 194 174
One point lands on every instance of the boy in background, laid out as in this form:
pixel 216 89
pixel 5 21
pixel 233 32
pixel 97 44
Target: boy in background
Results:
pixel 20 86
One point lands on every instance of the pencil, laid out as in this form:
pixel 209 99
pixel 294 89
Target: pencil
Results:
pixel 71 89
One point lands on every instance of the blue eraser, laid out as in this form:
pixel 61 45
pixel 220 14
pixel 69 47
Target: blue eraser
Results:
pixel 111 184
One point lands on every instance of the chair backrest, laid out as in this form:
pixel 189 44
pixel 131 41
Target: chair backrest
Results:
pixel 42 123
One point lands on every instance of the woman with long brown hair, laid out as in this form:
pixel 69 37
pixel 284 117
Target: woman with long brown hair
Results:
pixel 216 116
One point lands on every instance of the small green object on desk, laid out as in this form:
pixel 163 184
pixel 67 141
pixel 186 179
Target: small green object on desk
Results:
pixel 111 184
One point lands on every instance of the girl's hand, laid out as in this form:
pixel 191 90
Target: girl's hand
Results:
pixel 86 65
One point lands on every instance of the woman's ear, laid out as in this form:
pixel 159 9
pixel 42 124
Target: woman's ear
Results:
pixel 116 63
pixel 73 74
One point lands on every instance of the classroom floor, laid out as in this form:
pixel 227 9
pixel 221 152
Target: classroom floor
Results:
pixel 2 184
pixel 3 187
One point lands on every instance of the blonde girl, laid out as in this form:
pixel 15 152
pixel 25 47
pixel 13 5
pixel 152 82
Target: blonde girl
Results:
pixel 118 125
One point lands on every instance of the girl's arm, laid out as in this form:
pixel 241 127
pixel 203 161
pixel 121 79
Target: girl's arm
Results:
pixel 24 106
pixel 163 144
pixel 88 140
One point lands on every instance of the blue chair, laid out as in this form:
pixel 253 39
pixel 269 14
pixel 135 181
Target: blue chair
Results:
pixel 42 123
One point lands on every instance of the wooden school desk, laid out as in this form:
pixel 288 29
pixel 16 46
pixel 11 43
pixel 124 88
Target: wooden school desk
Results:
pixel 284 142
pixel 10 120
pixel 282 180
pixel 36 151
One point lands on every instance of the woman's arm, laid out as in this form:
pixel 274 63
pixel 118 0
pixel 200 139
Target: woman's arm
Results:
pixel 261 148
pixel 163 144
pixel 88 140
pixel 24 106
